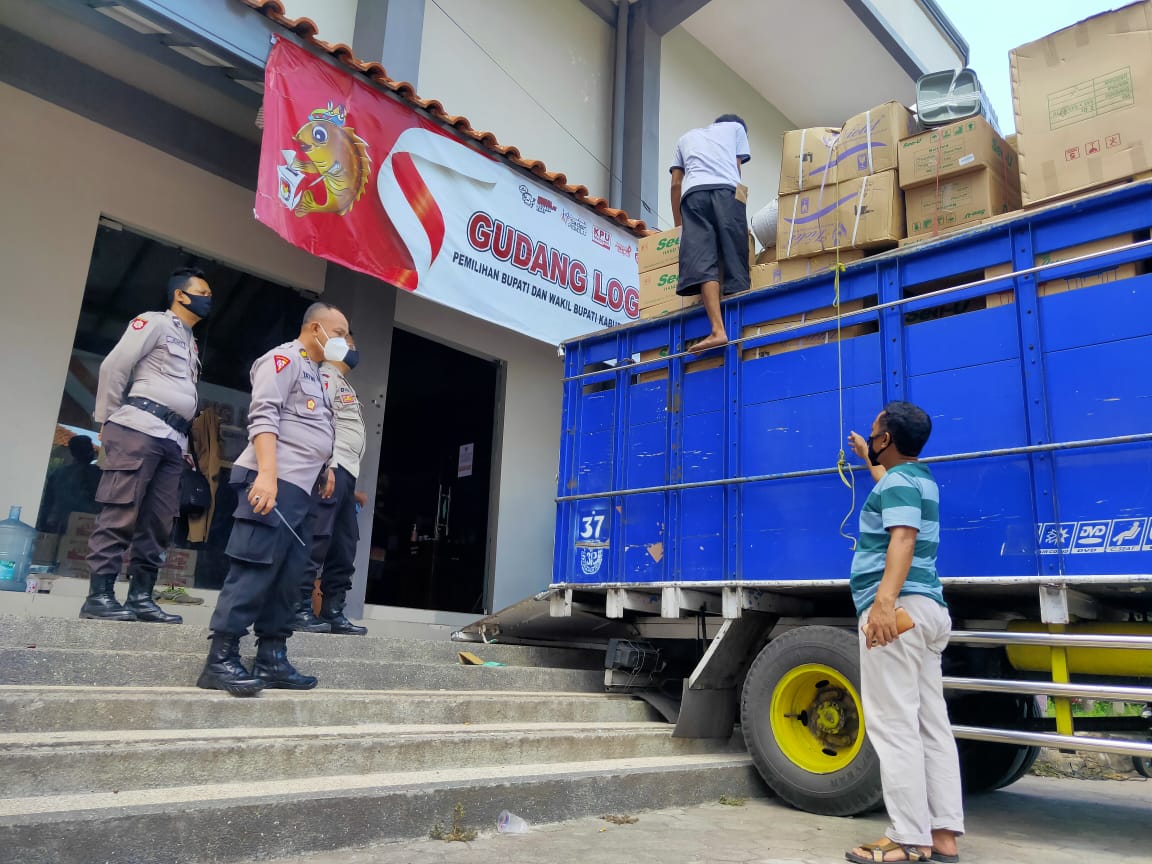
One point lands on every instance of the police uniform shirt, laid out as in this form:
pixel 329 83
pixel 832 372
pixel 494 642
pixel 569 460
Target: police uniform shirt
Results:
pixel 155 359
pixel 350 437
pixel 288 400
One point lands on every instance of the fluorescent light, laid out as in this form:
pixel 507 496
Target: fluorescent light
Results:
pixel 130 19
pixel 199 55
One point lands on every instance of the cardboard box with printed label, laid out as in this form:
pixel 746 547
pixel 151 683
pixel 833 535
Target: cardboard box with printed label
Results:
pixel 657 287
pixel 1059 286
pixel 789 321
pixel 179 566
pixel 807 160
pixel 871 211
pixel 801 268
pixel 807 224
pixel 1083 104
pixel 961 200
pixel 659 250
pixel 958 148
pixel 870 142
pixel 765 275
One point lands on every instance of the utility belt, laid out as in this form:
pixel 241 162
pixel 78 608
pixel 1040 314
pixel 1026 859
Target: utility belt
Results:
pixel 176 421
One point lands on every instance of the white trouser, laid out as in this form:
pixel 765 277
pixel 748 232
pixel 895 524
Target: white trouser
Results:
pixel 907 722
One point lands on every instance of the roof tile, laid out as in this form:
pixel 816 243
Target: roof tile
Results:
pixel 306 29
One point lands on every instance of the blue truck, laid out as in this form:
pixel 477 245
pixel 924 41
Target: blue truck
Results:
pixel 705 500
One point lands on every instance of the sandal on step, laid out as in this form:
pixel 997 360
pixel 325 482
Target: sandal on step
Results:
pixel 912 853
pixel 940 858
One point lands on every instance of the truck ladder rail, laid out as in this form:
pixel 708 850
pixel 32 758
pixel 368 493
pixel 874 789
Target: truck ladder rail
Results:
pixel 1101 692
pixel 1118 746
pixel 1053 640
pixel 849 317
pixel 1139 438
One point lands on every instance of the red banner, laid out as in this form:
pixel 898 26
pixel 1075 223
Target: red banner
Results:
pixel 353 176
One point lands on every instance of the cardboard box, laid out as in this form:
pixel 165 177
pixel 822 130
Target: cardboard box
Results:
pixel 1083 103
pixel 801 268
pixel 179 567
pixel 788 321
pixel 657 287
pixel 958 148
pixel 768 256
pixel 870 142
pixel 660 373
pixel 1059 286
pixel 958 201
pixel 871 211
pixel 672 305
pixel 659 250
pixel 808 224
pixel 807 161
pixel 766 275
pixel 751 250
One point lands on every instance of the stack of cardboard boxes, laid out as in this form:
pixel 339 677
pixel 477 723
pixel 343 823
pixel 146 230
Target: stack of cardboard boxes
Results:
pixel 839 192
pixel 659 263
pixel 957 175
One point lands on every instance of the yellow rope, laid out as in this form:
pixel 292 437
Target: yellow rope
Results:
pixel 843 468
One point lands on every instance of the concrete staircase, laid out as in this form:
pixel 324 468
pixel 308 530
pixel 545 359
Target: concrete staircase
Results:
pixel 108 755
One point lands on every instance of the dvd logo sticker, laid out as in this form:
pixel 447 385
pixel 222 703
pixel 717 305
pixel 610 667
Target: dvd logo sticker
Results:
pixel 601 237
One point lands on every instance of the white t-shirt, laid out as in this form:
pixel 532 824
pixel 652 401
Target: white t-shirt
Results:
pixel 708 156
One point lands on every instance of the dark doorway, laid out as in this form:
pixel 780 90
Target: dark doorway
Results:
pixel 430 532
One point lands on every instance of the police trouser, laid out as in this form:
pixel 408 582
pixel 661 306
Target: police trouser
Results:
pixel 140 495
pixel 335 533
pixel 263 580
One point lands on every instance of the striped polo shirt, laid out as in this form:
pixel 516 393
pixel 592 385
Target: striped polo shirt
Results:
pixel 906 496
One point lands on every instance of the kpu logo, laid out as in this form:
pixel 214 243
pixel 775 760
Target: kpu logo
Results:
pixel 601 237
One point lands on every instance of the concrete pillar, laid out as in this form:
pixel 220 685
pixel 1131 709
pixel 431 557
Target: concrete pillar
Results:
pixel 370 306
pixel 391 33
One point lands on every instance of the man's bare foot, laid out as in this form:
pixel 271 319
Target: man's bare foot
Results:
pixel 715 340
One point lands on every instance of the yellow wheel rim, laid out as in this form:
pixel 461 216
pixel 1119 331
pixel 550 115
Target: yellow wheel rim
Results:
pixel 816 718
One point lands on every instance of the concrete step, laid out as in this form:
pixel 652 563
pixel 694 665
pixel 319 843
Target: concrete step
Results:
pixel 68 709
pixel 64 763
pixel 137 668
pixel 260 819
pixel 75 633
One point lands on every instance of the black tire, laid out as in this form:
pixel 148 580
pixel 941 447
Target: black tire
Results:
pixel 849 791
pixel 986 767
pixel 1143 765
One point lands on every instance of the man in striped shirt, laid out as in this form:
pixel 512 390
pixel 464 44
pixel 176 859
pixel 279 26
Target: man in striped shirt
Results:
pixel 900 674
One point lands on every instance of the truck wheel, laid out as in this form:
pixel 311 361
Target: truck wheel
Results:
pixel 1143 765
pixel 986 767
pixel 801 715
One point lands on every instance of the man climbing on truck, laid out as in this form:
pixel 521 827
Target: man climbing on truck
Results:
pixel 904 629
pixel 712 218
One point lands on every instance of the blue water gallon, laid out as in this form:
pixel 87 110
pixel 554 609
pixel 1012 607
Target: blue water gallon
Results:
pixel 16 542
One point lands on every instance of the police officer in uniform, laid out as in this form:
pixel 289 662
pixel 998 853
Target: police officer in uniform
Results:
pixel 146 399
pixel 291 436
pixel 335 531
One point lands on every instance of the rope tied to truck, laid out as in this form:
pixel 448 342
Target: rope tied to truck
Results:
pixel 843 468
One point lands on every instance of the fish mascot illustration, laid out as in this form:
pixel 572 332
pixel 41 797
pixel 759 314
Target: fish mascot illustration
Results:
pixel 336 153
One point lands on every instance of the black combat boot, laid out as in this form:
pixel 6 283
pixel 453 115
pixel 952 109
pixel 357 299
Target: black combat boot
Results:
pixel 224 671
pixel 272 667
pixel 332 614
pixel 305 622
pixel 102 603
pixel 141 604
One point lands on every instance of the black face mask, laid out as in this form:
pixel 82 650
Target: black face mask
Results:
pixel 199 305
pixel 874 455
pixel 351 358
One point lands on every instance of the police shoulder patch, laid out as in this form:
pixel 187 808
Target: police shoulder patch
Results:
pixel 280 362
pixel 139 323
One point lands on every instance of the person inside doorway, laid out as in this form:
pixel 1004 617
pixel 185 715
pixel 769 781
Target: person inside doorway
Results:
pixel 713 221
pixel 146 399
pixel 335 531
pixel 71 488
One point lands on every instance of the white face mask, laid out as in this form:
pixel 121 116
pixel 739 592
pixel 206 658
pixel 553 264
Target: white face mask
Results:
pixel 335 350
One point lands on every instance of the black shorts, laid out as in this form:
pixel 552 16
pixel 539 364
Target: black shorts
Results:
pixel 713 241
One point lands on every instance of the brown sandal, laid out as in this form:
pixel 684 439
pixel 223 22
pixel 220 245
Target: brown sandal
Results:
pixel 912 853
